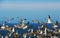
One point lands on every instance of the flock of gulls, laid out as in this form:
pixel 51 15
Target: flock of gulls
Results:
pixel 27 31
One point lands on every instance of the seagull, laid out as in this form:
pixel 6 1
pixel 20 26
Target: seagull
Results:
pixel 2 36
pixel 13 30
pixel 6 36
pixel 25 35
pixel 49 19
pixel 3 27
pixel 41 32
pixel 55 24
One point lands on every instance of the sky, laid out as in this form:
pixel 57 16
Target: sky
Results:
pixel 30 9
